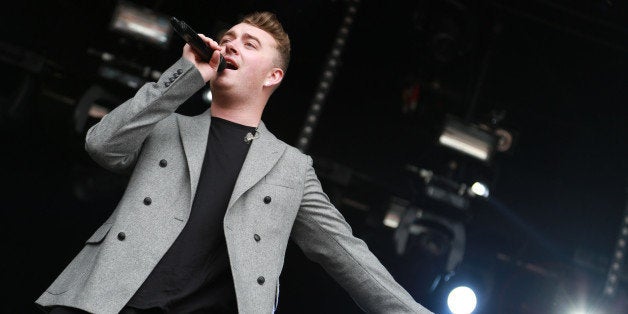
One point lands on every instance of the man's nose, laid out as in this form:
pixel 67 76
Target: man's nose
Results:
pixel 230 48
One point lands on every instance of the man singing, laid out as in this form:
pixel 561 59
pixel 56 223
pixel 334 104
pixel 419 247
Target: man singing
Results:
pixel 213 199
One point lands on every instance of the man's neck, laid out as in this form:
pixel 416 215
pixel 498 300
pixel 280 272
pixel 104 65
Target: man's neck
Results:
pixel 248 115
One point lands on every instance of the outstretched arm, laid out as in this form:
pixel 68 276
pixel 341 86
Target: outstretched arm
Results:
pixel 326 238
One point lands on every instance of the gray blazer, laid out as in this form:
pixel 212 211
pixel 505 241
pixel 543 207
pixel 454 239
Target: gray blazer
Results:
pixel 120 255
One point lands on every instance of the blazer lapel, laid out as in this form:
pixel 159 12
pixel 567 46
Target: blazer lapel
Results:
pixel 262 156
pixel 194 132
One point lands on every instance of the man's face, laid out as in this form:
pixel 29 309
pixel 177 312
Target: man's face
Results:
pixel 250 53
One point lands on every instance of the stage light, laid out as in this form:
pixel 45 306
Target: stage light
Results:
pixel 479 189
pixel 584 310
pixel 462 300
pixel 618 259
pixel 468 139
pixel 142 24
pixel 327 79
pixel 396 211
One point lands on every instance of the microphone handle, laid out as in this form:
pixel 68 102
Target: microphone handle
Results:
pixel 196 42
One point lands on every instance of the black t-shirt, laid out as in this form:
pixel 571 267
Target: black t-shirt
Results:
pixel 194 276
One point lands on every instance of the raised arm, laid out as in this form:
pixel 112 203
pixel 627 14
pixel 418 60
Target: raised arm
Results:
pixel 115 141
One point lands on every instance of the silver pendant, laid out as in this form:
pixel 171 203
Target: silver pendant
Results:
pixel 250 137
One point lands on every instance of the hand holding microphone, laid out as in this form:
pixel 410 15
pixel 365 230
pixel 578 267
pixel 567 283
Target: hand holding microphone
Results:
pixel 200 50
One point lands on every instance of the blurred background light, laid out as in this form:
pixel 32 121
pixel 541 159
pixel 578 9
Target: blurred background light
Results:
pixel 468 139
pixel 479 189
pixel 207 96
pixel 462 300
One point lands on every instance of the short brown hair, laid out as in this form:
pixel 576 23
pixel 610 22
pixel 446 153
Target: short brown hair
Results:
pixel 269 23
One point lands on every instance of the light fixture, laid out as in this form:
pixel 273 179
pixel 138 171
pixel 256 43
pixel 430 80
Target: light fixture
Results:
pixel 618 258
pixel 435 234
pixel 141 23
pixel 443 189
pixel 479 189
pixel 327 78
pixel 462 300
pixel 468 139
pixel 396 211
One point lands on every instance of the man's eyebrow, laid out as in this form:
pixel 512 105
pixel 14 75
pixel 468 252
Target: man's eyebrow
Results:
pixel 227 33
pixel 231 33
pixel 249 36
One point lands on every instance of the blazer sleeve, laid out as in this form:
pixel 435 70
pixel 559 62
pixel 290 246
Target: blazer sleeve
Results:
pixel 115 141
pixel 325 237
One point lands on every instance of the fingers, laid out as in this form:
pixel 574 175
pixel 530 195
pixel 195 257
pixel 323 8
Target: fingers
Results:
pixel 212 43
pixel 214 62
pixel 209 68
pixel 188 53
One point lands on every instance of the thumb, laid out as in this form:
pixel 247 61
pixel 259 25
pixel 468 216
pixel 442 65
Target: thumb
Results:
pixel 217 60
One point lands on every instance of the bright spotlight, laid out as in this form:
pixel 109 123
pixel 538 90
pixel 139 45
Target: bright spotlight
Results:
pixel 584 310
pixel 479 189
pixel 462 300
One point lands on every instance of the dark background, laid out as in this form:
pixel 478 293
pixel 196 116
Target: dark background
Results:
pixel 553 72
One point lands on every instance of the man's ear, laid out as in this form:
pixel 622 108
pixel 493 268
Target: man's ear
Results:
pixel 274 77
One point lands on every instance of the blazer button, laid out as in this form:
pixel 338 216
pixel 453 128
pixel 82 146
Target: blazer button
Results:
pixel 256 237
pixel 171 79
pixel 261 280
pixel 147 201
pixel 167 84
pixel 175 74
pixel 163 163
pixel 179 71
pixel 121 236
pixel 267 199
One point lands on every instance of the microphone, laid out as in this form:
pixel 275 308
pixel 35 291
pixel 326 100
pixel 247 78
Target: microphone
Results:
pixel 195 41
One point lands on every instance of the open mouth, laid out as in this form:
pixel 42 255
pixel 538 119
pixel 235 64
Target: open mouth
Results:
pixel 230 65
